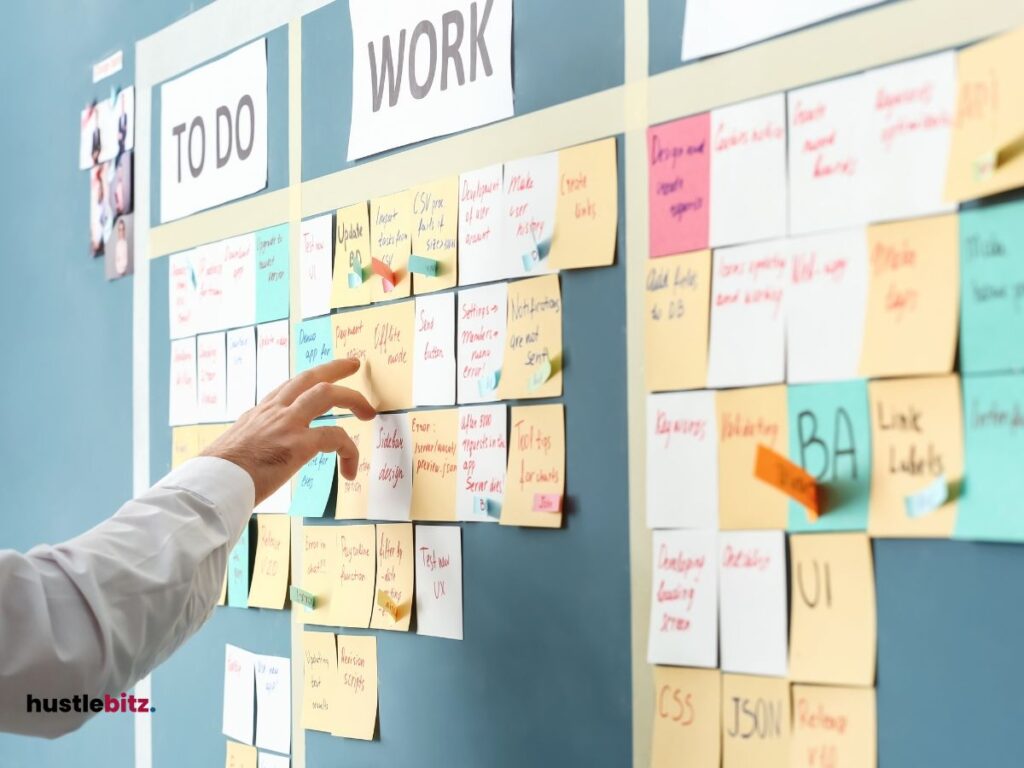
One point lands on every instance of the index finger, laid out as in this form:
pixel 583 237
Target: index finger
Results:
pixel 328 372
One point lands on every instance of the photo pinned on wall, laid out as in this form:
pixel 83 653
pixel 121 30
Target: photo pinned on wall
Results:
pixel 106 141
pixel 119 254
pixel 100 210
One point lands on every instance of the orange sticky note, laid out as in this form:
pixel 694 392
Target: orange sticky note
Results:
pixel 779 472
pixel 677 296
pixel 387 604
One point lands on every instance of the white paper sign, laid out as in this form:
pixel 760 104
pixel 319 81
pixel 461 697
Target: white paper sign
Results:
pixel 212 377
pixel 825 304
pixel 271 357
pixel 391 468
pixel 482 457
pixel 827 169
pixel 747 345
pixel 241 371
pixel 239 701
pixel 184 394
pixel 213 133
pixel 531 197
pixel 208 267
pixel 748 171
pixel 482 320
pixel 183 294
pixel 439 581
pixel 481 208
pixel 682 460
pixel 684 599
pixel 273 703
pixel 316 242
pixel 433 366
pixel 753 610
pixel 427 68
pixel 239 280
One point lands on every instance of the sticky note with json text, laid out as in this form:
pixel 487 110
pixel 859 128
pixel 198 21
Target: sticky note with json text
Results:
pixel 439 581
pixel 679 180
pixel 755 722
pixel 357 687
pixel 687 717
pixel 535 486
pixel 435 225
pixel 677 293
pixel 834 726
pixel 587 214
pixel 434 463
pixel 395 575
pixel 533 361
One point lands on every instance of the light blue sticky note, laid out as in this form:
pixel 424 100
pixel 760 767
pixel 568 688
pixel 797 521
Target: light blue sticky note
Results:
pixel 422 265
pixel 992 288
pixel 830 437
pixel 355 279
pixel 488 383
pixel 314 343
pixel 272 274
pixel 927 499
pixel 314 482
pixel 238 572
pixel 990 502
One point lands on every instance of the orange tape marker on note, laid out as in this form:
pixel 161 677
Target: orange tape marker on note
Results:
pixel 385 601
pixel 781 473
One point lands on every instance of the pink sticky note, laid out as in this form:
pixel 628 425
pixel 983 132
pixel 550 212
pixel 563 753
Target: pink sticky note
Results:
pixel 679 169
pixel 547 502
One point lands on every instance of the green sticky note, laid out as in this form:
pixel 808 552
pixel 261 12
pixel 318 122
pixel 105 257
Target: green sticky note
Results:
pixel 272 274
pixel 238 572
pixel 992 288
pixel 314 344
pixel 421 265
pixel 989 505
pixel 302 597
pixel 830 437
pixel 314 482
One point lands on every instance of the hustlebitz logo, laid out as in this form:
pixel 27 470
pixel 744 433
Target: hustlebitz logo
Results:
pixel 126 703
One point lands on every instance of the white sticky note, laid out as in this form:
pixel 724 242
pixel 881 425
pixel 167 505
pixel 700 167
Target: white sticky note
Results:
pixel 184 394
pixel 241 371
pixel 684 599
pixel 748 171
pixel 271 357
pixel 482 457
pixel 439 581
pixel 183 294
pixel 239 699
pixel 390 467
pixel 208 265
pixel 482 320
pixel 267 760
pixel 433 367
pixel 827 169
pixel 316 251
pixel 825 304
pixel 481 208
pixel 239 280
pixel 273 703
pixel 682 460
pixel 747 344
pixel 531 198
pixel 911 107
pixel 753 604
pixel 211 384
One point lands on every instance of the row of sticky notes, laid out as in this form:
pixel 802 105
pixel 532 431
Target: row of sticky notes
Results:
pixel 267 585
pixel 874 448
pixel 257 699
pixel 339 684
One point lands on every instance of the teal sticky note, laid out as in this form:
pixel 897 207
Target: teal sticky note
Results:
pixel 314 482
pixel 301 597
pixel 830 437
pixel 989 506
pixel 238 572
pixel 314 344
pixel 272 274
pixel 992 288
pixel 421 265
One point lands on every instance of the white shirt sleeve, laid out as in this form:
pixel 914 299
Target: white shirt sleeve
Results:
pixel 95 614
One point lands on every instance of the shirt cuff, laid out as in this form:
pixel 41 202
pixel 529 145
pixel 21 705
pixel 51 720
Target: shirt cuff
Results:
pixel 225 485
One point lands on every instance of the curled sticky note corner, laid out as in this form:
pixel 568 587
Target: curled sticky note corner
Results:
pixel 487 383
pixel 301 597
pixel 547 502
pixel 928 499
pixel 791 479
pixel 385 272
pixel 486 507
pixel 421 265
pixel 387 604
pixel 355 278
pixel 541 375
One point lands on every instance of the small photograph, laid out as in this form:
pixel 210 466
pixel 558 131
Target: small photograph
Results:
pixel 90 140
pixel 119 257
pixel 124 112
pixel 122 193
pixel 99 207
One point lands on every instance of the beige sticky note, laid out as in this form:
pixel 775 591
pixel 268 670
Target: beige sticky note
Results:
pixel 435 232
pixel 989 121
pixel 351 256
pixel 677 295
pixel 916 437
pixel 687 718
pixel 533 340
pixel 755 722
pixel 434 463
pixel 357 687
pixel 535 482
pixel 832 626
pixel 396 568
pixel 748 418
pixel 910 323
pixel 184 445
pixel 834 727
pixel 318 559
pixel 587 212
pixel 319 681
pixel 270 569
pixel 353 338
pixel 390 355
pixel 353 571
pixel 391 243
pixel 240 756
pixel 353 495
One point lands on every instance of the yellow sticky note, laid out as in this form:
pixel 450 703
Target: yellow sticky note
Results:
pixel 240 756
pixel 390 355
pixel 535 482
pixel 435 232
pixel 748 418
pixel 357 693
pixel 832 630
pixel 318 559
pixel 395 575
pixel 434 463
pixel 353 338
pixel 184 445
pixel 687 718
pixel 353 495
pixel 587 212
pixel 351 282
pixel 988 118
pixel 677 295
pixel 916 436
pixel 354 575
pixel 910 322
pixel 533 340
pixel 834 727
pixel 319 681
pixel 270 569
pixel 755 722
pixel 390 244
pixel 208 433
